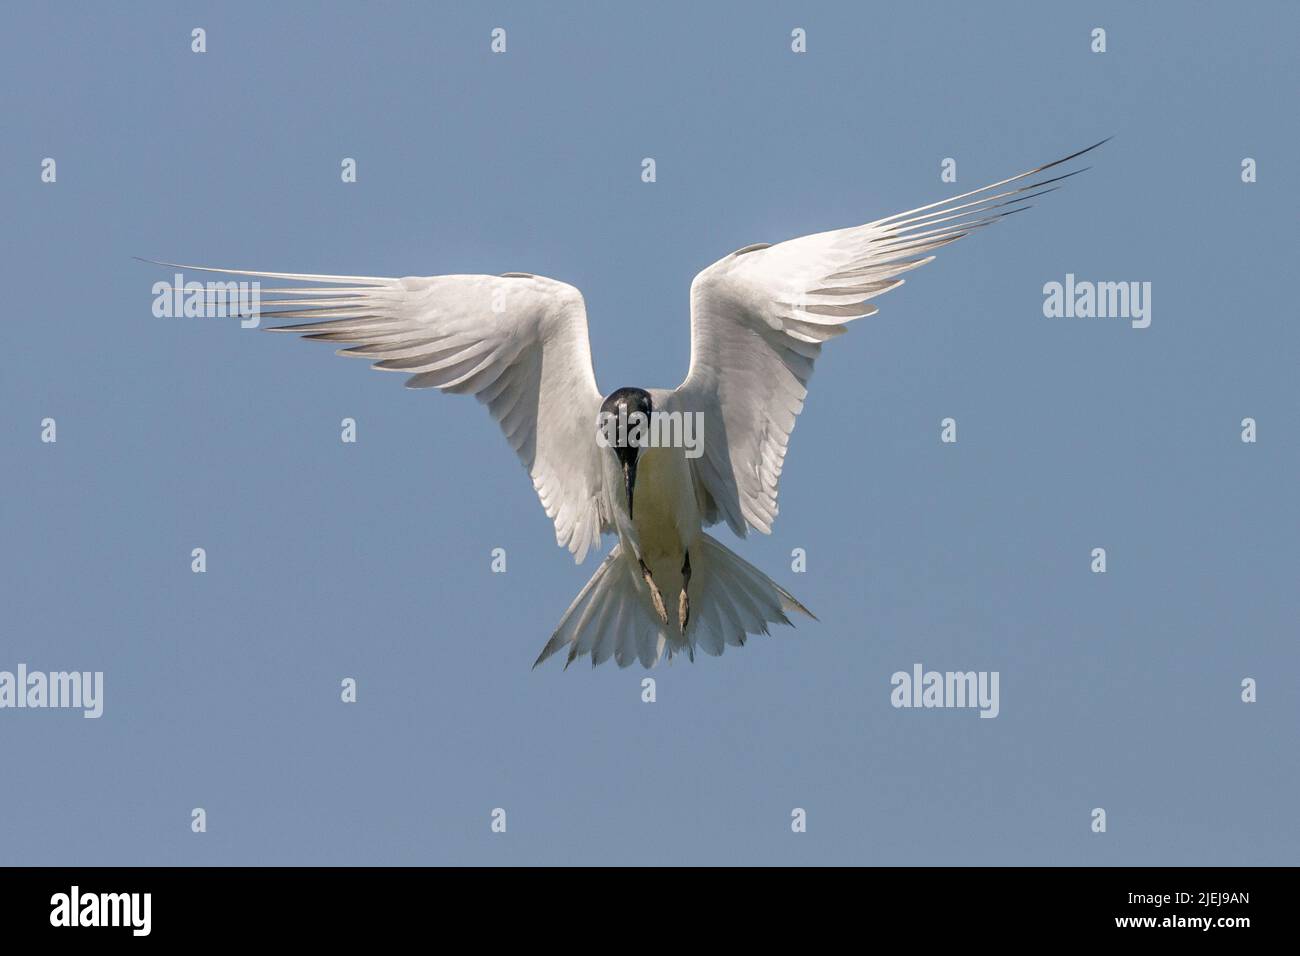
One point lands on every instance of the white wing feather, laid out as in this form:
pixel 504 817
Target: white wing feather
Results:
pixel 759 318
pixel 518 343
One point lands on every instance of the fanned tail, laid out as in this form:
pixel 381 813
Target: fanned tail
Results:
pixel 612 616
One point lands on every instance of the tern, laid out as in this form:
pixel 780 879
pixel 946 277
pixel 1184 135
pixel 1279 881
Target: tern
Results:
pixel 759 317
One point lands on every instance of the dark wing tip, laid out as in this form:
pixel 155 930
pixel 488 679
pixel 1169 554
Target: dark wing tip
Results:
pixel 1076 155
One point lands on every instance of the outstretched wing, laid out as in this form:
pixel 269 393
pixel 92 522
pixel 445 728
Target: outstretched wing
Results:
pixel 518 343
pixel 759 318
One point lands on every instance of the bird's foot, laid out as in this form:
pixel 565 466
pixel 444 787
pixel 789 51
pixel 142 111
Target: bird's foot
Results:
pixel 656 598
pixel 684 601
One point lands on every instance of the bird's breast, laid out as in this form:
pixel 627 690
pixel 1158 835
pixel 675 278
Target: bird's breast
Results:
pixel 665 502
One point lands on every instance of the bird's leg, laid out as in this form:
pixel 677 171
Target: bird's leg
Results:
pixel 656 598
pixel 684 602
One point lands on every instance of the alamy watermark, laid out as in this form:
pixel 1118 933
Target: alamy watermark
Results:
pixel 1073 299
pixel 75 908
pixel 209 300
pixel 75 690
pixel 922 688
pixel 655 430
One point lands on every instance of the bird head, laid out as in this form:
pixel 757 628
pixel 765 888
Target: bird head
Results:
pixel 624 423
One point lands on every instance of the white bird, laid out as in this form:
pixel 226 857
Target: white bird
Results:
pixel 518 343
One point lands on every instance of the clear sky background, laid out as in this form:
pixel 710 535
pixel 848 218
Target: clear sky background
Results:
pixel 325 560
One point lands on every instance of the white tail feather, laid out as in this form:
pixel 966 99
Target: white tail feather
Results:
pixel 612 615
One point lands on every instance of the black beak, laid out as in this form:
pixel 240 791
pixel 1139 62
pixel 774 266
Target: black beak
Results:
pixel 629 478
pixel 619 409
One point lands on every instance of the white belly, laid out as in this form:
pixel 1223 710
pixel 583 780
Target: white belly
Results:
pixel 665 515
pixel 660 502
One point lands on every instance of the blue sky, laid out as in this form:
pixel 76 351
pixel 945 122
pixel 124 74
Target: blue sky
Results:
pixel 1118 690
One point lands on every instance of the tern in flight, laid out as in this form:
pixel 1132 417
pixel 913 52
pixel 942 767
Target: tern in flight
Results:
pixel 518 343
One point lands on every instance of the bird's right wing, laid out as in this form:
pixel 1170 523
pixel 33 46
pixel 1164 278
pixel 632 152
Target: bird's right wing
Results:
pixel 518 343
pixel 759 318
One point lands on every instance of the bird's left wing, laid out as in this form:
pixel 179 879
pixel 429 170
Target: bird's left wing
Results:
pixel 759 318
pixel 518 343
